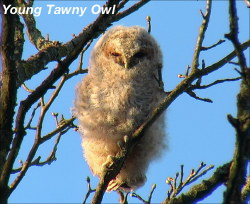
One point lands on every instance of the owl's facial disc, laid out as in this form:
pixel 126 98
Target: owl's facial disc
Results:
pixel 129 60
pixel 128 49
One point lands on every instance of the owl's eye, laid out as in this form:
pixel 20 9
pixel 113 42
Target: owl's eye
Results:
pixel 115 54
pixel 140 54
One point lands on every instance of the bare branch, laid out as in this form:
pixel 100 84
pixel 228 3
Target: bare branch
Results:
pixel 8 93
pixel 193 176
pixel 149 197
pixel 26 88
pixel 212 46
pixel 238 169
pixel 34 34
pixel 214 83
pixel 135 195
pixel 225 59
pixel 90 190
pixel 186 73
pixel 37 162
pixel 197 85
pixel 233 35
pixel 81 54
pixel 123 199
pixel 28 126
pixel 60 128
pixel 201 36
pixel 130 10
pixel 193 95
pixel 199 191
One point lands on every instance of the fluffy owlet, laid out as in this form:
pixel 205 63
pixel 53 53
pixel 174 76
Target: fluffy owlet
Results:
pixel 121 89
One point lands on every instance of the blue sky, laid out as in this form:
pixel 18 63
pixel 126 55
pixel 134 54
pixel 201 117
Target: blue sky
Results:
pixel 196 131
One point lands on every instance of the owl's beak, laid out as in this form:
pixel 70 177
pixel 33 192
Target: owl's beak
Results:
pixel 127 63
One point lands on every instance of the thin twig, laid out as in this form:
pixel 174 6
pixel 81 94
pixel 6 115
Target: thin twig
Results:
pixel 201 36
pixel 123 199
pixel 81 55
pixel 28 126
pixel 132 9
pixel 219 81
pixel 49 159
pixel 26 88
pixel 135 195
pixel 151 193
pixel 193 176
pixel 90 190
pixel 148 18
pixel 212 46
pixel 193 95
pixel 233 35
pixel 186 73
pixel 61 127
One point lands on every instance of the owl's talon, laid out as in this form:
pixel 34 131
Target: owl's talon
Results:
pixel 121 144
pixel 109 162
pixel 114 186
pixel 126 139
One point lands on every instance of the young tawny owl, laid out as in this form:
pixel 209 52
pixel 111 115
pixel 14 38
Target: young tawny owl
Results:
pixel 121 89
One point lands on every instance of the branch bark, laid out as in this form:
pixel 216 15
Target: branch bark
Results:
pixel 238 169
pixel 8 93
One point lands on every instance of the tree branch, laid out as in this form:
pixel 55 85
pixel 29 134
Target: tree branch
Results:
pixel 193 176
pixel 200 191
pixel 238 169
pixel 34 34
pixel 216 82
pixel 8 92
pixel 212 46
pixel 233 35
pixel 149 196
pixel 201 36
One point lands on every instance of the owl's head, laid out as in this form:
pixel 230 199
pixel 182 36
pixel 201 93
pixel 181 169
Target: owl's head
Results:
pixel 126 48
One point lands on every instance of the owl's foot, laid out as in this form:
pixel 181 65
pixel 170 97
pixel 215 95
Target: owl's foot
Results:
pixel 109 162
pixel 122 144
pixel 114 186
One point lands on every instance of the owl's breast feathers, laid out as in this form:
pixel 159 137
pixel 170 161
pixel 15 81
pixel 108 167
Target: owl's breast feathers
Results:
pixel 117 105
